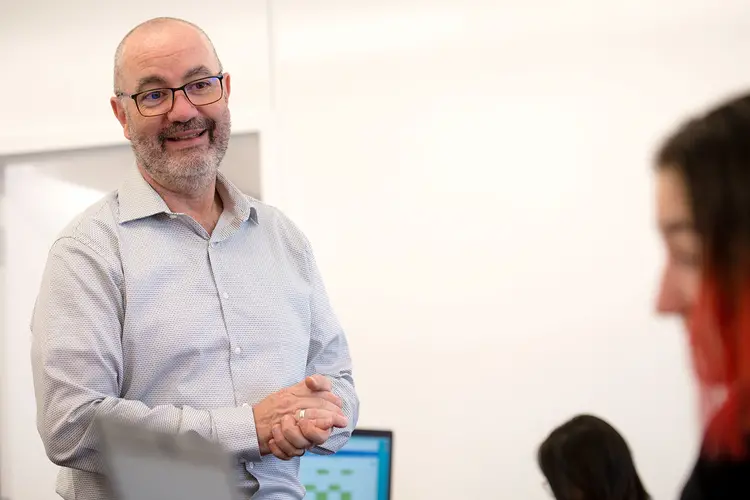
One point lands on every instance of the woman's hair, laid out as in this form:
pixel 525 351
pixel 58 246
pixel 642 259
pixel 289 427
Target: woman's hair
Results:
pixel 587 459
pixel 711 154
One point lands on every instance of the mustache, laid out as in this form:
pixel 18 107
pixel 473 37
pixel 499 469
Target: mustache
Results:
pixel 192 124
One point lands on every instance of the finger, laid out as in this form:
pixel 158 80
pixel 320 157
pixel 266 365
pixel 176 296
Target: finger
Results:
pixel 282 442
pixel 292 433
pixel 277 451
pixel 302 391
pixel 318 383
pixel 288 448
pixel 313 433
pixel 328 396
pixel 326 419
pixel 316 404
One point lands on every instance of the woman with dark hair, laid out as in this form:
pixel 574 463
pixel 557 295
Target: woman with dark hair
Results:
pixel 703 211
pixel 587 459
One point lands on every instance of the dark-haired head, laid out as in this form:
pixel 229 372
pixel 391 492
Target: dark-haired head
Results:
pixel 586 458
pixel 703 200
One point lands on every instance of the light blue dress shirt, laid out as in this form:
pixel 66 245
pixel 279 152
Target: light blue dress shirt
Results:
pixel 144 316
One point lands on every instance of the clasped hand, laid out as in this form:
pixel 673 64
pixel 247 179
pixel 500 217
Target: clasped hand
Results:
pixel 281 431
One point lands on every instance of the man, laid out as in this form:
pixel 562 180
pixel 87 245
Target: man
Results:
pixel 179 304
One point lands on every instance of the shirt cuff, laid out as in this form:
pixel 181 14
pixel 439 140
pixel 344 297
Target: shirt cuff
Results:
pixel 234 428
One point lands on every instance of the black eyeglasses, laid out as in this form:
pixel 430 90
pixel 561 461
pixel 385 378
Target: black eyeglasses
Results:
pixel 155 102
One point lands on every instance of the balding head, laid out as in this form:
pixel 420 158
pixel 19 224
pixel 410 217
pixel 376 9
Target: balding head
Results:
pixel 150 32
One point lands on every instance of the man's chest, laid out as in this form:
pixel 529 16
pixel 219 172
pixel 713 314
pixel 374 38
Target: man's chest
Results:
pixel 236 314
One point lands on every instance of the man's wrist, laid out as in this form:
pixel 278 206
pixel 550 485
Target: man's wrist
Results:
pixel 262 431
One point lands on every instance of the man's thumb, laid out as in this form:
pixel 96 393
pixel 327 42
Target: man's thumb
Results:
pixel 317 383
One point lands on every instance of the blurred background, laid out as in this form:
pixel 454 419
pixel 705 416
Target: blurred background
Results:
pixel 474 177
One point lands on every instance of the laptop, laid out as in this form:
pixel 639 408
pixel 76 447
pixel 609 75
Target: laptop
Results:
pixel 147 465
pixel 361 470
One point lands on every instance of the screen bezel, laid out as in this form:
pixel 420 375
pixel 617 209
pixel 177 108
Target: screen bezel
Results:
pixel 380 433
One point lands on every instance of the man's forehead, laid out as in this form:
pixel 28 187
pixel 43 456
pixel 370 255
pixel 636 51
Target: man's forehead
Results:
pixel 168 61
pixel 152 43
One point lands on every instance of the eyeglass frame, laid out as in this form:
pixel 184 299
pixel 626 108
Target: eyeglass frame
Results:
pixel 174 90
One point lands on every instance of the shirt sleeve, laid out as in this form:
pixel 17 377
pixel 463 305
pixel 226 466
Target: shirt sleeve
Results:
pixel 329 356
pixel 77 365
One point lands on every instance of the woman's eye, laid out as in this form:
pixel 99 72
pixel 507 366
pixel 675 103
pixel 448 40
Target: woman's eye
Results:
pixel 689 259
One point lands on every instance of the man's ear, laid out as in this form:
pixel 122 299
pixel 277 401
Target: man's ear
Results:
pixel 119 110
pixel 227 86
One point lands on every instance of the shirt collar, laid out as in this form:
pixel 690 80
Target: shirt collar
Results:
pixel 138 200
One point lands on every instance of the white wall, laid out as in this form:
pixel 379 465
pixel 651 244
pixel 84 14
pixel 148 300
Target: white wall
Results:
pixel 474 178
pixel 4 414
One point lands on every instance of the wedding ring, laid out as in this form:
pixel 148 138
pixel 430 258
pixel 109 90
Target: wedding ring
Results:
pixel 301 415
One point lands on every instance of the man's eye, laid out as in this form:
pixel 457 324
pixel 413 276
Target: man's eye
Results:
pixel 153 96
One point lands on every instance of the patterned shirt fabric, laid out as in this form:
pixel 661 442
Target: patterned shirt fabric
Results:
pixel 145 317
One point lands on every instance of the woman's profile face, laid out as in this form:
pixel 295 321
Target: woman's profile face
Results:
pixel 682 266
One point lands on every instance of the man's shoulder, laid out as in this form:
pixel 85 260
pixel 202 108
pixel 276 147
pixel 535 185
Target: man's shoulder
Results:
pixel 275 218
pixel 95 226
pixel 280 225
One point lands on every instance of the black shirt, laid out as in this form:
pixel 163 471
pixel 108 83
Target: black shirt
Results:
pixel 718 480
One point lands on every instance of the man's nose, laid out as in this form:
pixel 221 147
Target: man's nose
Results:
pixel 182 109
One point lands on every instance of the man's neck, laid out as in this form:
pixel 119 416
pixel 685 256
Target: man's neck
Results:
pixel 205 206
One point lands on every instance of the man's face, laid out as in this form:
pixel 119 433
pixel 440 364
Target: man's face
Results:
pixel 171 56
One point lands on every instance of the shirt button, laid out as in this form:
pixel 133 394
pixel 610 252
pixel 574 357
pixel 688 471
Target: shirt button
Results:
pixel 225 295
pixel 237 350
pixel 213 244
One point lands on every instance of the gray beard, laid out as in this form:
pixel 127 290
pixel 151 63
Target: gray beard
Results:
pixel 190 171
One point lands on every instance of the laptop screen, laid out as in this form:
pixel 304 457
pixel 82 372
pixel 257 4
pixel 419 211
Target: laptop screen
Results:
pixel 361 470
